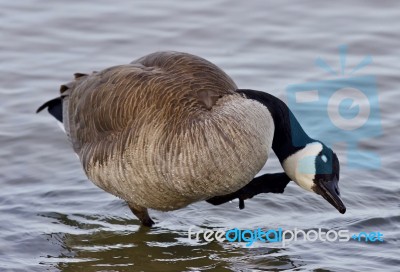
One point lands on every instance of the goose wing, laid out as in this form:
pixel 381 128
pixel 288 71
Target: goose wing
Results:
pixel 104 110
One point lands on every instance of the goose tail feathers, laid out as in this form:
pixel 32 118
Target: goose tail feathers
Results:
pixel 54 107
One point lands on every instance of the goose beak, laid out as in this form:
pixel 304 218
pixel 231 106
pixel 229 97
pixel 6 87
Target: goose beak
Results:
pixel 330 191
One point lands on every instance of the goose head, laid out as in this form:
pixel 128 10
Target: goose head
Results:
pixel 308 162
pixel 315 168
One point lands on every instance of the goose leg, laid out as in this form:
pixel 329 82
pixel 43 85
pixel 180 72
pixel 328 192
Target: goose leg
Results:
pixel 142 214
pixel 267 183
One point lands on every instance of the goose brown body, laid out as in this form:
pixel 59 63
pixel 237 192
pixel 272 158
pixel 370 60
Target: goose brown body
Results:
pixel 166 130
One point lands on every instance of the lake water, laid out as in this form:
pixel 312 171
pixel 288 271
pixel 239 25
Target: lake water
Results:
pixel 53 219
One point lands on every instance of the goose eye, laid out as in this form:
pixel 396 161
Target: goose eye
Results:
pixel 324 158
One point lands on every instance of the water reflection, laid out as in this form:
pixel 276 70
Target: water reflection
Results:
pixel 96 243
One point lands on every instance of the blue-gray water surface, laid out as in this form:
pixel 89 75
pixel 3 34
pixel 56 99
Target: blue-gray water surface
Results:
pixel 53 219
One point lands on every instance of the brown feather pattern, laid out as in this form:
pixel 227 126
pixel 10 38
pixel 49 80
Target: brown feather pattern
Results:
pixel 166 130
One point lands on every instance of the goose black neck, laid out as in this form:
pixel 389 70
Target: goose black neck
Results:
pixel 289 136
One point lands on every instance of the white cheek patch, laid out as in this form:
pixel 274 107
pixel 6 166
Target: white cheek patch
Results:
pixel 300 166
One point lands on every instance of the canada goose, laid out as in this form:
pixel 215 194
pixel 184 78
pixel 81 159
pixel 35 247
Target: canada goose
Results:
pixel 171 128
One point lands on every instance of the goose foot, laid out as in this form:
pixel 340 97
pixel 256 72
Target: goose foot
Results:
pixel 141 213
pixel 267 183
